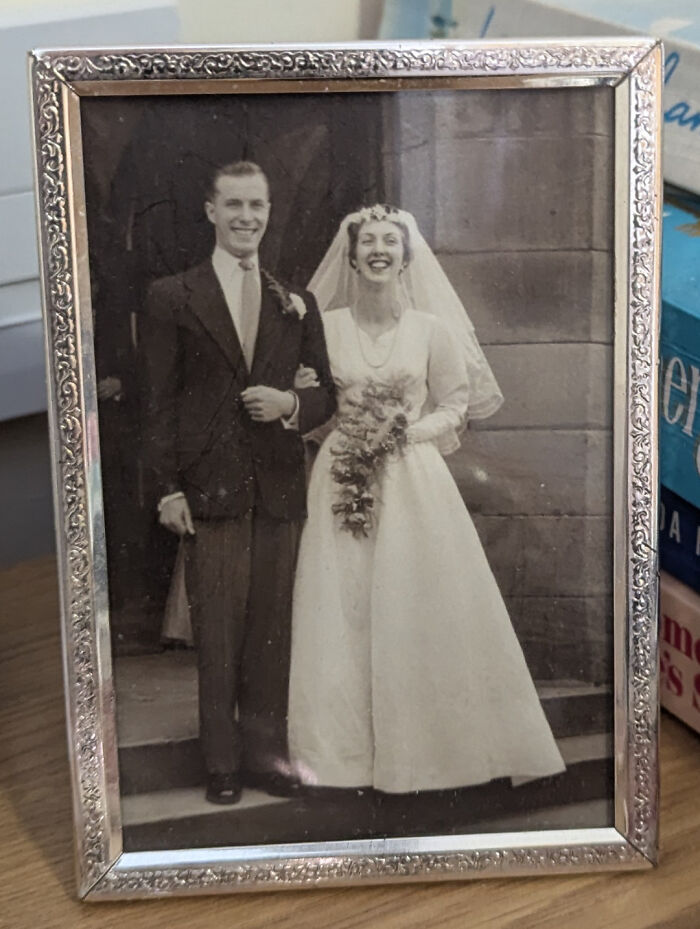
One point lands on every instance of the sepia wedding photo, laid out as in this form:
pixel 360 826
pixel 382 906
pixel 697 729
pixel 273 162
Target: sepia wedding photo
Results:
pixel 357 454
pixel 415 613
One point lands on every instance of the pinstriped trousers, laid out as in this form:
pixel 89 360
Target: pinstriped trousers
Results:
pixel 240 577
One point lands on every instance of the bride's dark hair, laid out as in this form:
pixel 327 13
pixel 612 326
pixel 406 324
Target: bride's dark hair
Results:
pixel 374 215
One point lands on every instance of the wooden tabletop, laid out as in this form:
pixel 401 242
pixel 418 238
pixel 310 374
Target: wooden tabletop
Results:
pixel 37 889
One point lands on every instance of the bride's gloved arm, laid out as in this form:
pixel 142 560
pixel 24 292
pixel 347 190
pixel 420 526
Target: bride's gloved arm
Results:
pixel 448 389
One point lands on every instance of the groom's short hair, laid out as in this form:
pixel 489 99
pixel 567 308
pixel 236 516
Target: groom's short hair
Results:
pixel 234 169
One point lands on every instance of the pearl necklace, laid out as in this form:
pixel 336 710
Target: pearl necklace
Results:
pixel 359 331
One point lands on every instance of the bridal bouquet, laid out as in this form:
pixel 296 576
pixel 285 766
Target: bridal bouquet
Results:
pixel 373 429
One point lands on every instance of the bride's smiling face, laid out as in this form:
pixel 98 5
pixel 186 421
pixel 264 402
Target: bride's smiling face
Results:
pixel 380 254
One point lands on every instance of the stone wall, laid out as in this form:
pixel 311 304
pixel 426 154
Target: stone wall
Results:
pixel 513 190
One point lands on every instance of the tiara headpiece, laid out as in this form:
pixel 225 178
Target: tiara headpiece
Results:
pixel 377 213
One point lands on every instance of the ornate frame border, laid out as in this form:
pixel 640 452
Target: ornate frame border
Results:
pixel 59 78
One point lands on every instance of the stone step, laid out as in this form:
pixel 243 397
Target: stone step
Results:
pixel 579 797
pixel 170 806
pixel 158 723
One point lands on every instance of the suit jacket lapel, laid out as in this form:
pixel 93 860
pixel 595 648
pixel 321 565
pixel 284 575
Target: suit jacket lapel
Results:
pixel 271 328
pixel 209 305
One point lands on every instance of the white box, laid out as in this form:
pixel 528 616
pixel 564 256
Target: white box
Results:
pixel 86 24
pixel 150 22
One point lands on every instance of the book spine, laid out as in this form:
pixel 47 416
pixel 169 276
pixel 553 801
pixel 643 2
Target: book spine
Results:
pixel 680 403
pixel 679 538
pixel 679 647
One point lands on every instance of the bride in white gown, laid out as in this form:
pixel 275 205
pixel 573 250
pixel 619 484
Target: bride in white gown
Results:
pixel 406 673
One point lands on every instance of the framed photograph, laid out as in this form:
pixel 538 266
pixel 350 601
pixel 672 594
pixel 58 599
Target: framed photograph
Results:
pixel 352 372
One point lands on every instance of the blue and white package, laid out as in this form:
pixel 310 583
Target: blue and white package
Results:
pixel 680 354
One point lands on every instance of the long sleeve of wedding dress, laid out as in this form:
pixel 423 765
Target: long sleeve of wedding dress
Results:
pixel 448 390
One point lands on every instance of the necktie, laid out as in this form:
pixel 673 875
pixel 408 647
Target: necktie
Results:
pixel 250 310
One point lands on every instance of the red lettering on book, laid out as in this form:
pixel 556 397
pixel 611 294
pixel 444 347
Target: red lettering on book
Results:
pixel 681 638
pixel 671 676
pixel 675 679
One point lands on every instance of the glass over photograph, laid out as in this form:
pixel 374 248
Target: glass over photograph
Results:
pixel 354 358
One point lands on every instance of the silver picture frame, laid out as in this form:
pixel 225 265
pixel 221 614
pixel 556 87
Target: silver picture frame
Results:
pixel 59 79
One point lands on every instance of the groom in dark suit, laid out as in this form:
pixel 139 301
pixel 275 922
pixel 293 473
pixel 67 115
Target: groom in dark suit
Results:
pixel 222 343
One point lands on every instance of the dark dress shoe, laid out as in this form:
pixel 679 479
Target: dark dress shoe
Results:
pixel 272 783
pixel 224 788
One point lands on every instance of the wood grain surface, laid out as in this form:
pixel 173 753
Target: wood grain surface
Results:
pixel 37 889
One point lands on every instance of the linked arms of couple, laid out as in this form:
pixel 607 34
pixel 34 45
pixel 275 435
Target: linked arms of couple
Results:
pixel 448 389
pixel 264 404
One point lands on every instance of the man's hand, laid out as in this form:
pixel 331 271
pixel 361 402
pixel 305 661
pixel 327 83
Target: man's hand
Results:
pixel 175 515
pixel 266 404
pixel 109 388
pixel 305 377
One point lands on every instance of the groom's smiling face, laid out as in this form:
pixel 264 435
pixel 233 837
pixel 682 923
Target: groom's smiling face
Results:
pixel 239 210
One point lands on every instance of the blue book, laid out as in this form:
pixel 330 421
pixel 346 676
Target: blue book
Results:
pixel 679 538
pixel 680 353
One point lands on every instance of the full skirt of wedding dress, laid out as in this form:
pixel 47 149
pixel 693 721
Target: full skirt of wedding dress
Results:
pixel 406 673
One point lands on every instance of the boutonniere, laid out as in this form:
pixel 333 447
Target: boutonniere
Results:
pixel 291 304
